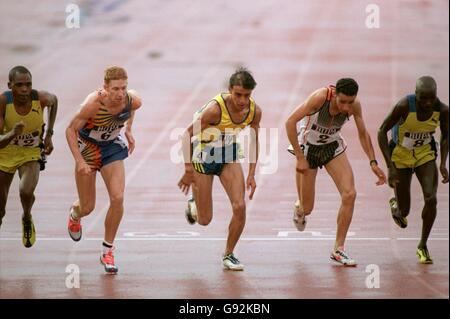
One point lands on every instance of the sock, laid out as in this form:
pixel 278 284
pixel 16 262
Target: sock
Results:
pixel 106 247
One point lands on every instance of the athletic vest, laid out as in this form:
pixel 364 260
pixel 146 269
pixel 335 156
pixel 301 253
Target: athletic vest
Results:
pixel 225 131
pixel 412 133
pixel 105 127
pixel 34 121
pixel 320 127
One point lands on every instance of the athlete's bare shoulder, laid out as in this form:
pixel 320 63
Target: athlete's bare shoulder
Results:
pixel 443 108
pixel 257 116
pixel 316 100
pixel 47 98
pixel 212 112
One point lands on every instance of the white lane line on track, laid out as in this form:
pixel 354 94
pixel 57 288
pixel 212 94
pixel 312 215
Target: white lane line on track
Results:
pixel 224 238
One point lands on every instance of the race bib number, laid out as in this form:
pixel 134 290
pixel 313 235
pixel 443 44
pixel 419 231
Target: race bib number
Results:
pixel 27 140
pixel 415 140
pixel 319 135
pixel 107 135
pixel 323 139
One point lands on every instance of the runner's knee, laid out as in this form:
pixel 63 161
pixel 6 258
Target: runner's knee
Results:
pixel 26 194
pixel 238 207
pixel 430 201
pixel 117 199
pixel 349 197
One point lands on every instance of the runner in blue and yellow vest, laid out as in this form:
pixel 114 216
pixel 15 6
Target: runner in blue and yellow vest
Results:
pixel 413 150
pixel 215 151
pixel 23 146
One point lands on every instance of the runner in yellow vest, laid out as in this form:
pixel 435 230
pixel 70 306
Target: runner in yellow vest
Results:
pixel 23 146
pixel 413 122
pixel 216 151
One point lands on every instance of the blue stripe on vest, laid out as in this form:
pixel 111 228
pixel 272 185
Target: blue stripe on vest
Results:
pixel 412 102
pixel 395 133
pixel 9 97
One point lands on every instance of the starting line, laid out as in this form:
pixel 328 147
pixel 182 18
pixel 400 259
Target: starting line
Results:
pixel 224 239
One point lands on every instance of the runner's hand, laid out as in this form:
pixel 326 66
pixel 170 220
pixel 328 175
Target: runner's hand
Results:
pixel 83 168
pixel 18 128
pixel 131 141
pixel 380 174
pixel 48 145
pixel 444 173
pixel 251 186
pixel 186 180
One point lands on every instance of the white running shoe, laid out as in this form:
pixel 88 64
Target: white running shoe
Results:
pixel 299 217
pixel 191 211
pixel 341 257
pixel 232 263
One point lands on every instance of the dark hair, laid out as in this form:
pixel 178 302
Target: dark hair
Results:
pixel 426 83
pixel 242 77
pixel 347 86
pixel 17 69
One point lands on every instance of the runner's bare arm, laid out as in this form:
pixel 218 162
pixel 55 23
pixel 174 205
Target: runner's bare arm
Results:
pixel 363 134
pixel 311 105
pixel 136 104
pixel 210 115
pixel 366 143
pixel 51 102
pixel 6 138
pixel 254 151
pixel 444 142
pixel 87 110
pixel 399 111
pixel 137 101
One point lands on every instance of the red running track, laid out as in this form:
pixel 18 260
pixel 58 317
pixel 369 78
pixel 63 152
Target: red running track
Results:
pixel 178 55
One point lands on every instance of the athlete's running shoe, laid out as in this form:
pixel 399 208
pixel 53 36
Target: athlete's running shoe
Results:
pixel 74 227
pixel 424 256
pixel 341 257
pixel 299 218
pixel 191 211
pixel 232 263
pixel 107 260
pixel 28 233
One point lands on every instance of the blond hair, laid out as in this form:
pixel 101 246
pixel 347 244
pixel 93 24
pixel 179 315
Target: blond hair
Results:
pixel 115 73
